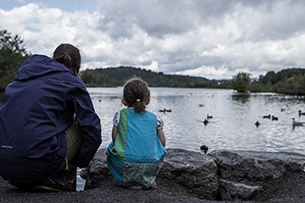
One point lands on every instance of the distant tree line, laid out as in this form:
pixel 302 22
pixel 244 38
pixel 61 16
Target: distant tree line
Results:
pixel 117 76
pixel 286 81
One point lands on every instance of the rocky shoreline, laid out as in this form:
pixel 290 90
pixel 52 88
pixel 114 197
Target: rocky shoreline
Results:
pixel 280 176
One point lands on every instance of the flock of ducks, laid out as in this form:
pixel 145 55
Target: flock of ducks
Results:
pixel 257 123
pixel 273 118
pixel 294 123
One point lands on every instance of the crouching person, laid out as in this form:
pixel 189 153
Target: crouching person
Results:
pixel 48 126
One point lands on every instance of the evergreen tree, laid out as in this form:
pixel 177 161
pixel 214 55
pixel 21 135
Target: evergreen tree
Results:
pixel 12 55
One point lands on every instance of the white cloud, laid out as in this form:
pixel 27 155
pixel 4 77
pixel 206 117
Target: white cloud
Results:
pixel 153 66
pixel 206 71
pixel 213 39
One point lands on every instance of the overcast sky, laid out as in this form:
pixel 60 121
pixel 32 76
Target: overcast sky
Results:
pixel 211 38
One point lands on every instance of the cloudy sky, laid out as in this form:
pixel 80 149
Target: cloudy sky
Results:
pixel 211 38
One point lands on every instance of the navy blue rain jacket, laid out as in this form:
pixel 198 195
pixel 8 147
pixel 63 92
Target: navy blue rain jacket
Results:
pixel 35 111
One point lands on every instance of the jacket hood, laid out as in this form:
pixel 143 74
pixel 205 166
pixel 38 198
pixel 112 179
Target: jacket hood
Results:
pixel 40 65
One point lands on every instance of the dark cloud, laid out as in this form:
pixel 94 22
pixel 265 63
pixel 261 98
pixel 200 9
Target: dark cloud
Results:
pixel 270 20
pixel 156 18
pixel 116 28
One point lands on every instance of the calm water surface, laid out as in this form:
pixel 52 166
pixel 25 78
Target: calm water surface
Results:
pixel 233 123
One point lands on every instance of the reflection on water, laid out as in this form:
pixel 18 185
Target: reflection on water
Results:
pixel 233 123
pixel 242 97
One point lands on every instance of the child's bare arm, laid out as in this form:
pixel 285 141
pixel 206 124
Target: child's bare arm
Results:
pixel 114 133
pixel 161 136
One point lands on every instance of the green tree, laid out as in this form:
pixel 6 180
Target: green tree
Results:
pixel 269 77
pixel 90 77
pixel 12 55
pixel 256 87
pixel 241 82
pixel 104 79
pixel 93 78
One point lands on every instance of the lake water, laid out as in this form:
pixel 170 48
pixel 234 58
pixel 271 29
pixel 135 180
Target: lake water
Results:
pixel 232 126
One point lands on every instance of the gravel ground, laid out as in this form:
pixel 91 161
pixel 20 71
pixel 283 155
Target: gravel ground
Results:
pixel 289 189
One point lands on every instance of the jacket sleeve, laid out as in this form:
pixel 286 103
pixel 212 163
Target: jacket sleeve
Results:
pixel 89 124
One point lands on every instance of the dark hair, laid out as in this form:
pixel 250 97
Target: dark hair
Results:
pixel 136 94
pixel 68 55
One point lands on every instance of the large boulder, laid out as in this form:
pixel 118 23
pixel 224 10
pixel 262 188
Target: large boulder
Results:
pixel 221 175
pixel 193 170
pixel 256 166
pixel 242 174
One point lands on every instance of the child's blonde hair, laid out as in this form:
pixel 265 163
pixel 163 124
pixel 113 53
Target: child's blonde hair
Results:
pixel 136 94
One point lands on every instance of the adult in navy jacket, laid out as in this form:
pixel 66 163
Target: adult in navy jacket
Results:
pixel 36 111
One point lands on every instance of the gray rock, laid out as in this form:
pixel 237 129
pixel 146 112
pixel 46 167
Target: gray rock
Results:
pixel 193 170
pixel 237 191
pixel 97 170
pixel 256 166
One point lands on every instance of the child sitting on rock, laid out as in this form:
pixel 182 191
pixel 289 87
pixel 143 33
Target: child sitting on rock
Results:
pixel 136 154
